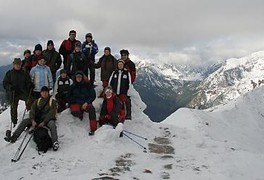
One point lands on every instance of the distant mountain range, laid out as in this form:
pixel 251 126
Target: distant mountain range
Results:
pixel 166 87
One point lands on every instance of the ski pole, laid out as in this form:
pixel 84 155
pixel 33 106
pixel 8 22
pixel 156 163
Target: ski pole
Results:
pixel 19 148
pixel 135 142
pixel 23 149
pixel 135 135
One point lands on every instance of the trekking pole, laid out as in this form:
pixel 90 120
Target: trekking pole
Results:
pixel 23 149
pixel 14 159
pixel 135 135
pixel 145 149
pixel 9 131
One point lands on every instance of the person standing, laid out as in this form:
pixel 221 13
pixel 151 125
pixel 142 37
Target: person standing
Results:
pixel 90 49
pixel 41 76
pixel 120 81
pixel 130 66
pixel 18 86
pixel 42 113
pixel 33 61
pixel 80 98
pixel 108 64
pixel 67 47
pixel 53 59
pixel 78 62
pixel 27 59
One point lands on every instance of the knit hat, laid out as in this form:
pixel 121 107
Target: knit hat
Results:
pixel 38 47
pixel 107 48
pixel 27 51
pixel 124 51
pixel 50 42
pixel 89 35
pixel 63 71
pixel 78 44
pixel 44 88
pixel 17 61
pixel 79 73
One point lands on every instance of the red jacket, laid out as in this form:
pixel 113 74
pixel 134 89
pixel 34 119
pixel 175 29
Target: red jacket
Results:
pixel 130 66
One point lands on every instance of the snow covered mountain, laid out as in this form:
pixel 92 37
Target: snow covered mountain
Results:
pixel 170 85
pixel 191 144
pixel 233 79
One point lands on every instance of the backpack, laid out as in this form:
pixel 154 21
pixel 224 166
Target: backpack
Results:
pixel 42 139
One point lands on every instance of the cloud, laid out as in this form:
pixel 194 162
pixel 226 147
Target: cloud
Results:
pixel 170 28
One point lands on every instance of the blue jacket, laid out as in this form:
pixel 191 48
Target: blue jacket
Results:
pixel 41 76
pixel 80 93
pixel 89 49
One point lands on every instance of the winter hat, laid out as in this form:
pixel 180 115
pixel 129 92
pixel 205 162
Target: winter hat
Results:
pixel 124 51
pixel 72 31
pixel 38 47
pixel 107 48
pixel 89 35
pixel 78 44
pixel 27 51
pixel 63 71
pixel 50 42
pixel 17 61
pixel 44 88
pixel 79 73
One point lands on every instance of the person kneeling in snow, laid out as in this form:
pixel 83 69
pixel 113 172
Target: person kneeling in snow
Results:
pixel 80 98
pixel 61 89
pixel 42 113
pixel 111 113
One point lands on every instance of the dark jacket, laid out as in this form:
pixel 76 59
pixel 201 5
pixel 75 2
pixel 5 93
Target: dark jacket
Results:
pixel 78 62
pixel 120 81
pixel 111 107
pixel 131 67
pixel 108 65
pixel 61 87
pixel 46 114
pixel 53 59
pixel 67 47
pixel 80 93
pixel 17 81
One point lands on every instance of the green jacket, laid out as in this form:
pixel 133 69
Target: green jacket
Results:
pixel 53 59
pixel 40 114
pixel 16 81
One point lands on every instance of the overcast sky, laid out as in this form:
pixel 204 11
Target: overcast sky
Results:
pixel 189 31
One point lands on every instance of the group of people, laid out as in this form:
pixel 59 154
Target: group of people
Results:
pixel 31 80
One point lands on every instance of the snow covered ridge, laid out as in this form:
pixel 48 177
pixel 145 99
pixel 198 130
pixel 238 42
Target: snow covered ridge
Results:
pixel 238 127
pixel 235 78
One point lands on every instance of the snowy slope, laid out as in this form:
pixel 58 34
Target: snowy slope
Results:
pixel 237 130
pixel 197 151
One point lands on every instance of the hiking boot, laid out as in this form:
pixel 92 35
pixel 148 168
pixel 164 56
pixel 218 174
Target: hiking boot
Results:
pixel 55 146
pixel 11 139
pixel 128 117
pixel 121 134
pixel 91 133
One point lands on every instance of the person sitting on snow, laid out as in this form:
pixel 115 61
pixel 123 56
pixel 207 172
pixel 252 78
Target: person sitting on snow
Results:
pixel 42 113
pixel 80 98
pixel 61 89
pixel 111 113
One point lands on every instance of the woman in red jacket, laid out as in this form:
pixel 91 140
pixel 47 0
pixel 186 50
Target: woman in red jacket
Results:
pixel 111 111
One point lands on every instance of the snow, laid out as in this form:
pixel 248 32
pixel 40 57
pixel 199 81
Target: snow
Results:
pixel 226 143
